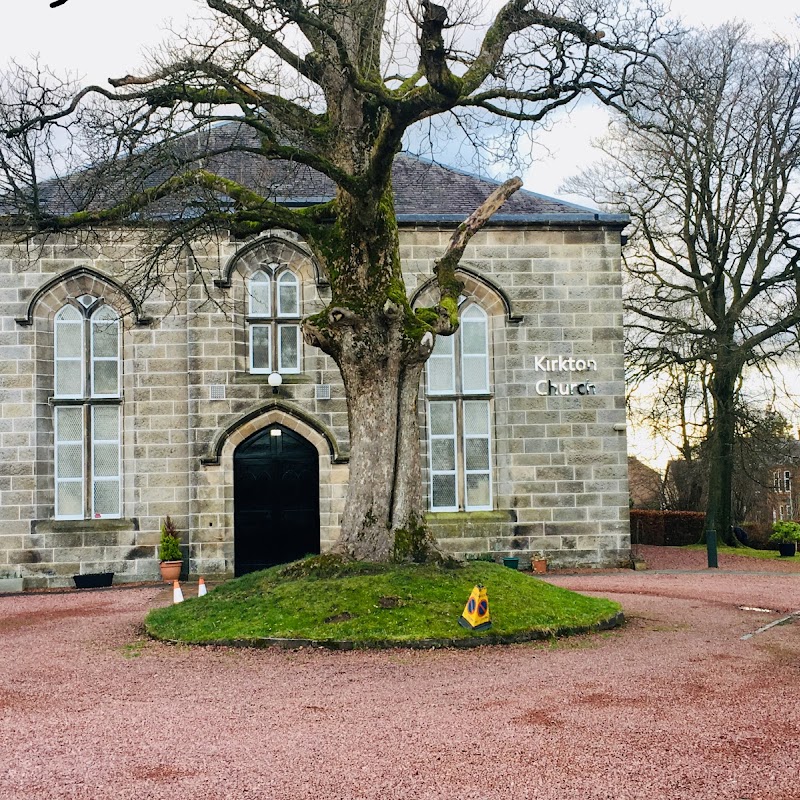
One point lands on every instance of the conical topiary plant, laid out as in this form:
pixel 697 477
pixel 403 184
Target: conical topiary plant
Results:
pixel 169 551
pixel 169 548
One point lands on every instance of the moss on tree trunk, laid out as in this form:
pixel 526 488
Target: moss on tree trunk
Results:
pixel 380 346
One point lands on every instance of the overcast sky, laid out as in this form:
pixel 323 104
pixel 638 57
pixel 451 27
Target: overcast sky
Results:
pixel 98 39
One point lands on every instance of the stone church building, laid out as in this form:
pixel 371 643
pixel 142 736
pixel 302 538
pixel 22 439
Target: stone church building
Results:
pixel 203 403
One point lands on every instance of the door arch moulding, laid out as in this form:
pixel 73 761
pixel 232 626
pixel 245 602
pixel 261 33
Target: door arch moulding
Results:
pixel 276 411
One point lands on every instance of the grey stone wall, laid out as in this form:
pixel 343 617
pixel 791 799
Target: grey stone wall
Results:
pixel 560 479
pixel 561 474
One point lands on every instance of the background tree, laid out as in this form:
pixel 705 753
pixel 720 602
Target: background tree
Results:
pixel 763 442
pixel 319 86
pixel 676 411
pixel 705 160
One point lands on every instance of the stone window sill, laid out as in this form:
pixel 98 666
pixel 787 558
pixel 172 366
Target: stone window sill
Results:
pixel 471 516
pixel 78 525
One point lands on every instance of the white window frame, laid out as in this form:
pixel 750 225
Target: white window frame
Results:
pixel 86 402
pixel 93 359
pixel 485 437
pixel 458 396
pixel 282 368
pixel 252 350
pixel 442 360
pixel 469 315
pixel 106 478
pixel 59 324
pixel 276 321
pixel 60 443
pixel 452 437
pixel 259 278
pixel 287 277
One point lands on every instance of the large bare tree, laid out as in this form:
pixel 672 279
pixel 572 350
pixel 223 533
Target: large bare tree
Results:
pixel 706 160
pixel 318 83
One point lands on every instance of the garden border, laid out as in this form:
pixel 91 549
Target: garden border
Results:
pixel 614 621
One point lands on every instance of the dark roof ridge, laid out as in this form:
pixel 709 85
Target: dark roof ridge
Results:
pixel 425 191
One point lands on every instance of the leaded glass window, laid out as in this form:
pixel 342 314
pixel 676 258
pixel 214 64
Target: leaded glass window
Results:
pixel 260 293
pixel 288 295
pixel 260 348
pixel 442 367
pixel 69 453
pixel 443 455
pixel 459 416
pixel 474 336
pixel 274 321
pixel 106 458
pixel 69 353
pixel 87 410
pixel 104 353
pixel 288 348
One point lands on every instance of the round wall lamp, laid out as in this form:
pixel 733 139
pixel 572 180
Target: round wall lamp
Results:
pixel 274 380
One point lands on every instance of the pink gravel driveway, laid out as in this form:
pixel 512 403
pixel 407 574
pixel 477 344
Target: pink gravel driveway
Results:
pixel 674 705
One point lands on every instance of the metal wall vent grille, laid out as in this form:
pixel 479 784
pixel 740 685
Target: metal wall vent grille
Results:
pixel 322 391
pixel 216 392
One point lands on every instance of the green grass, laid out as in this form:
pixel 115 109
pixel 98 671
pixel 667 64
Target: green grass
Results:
pixel 369 603
pixel 748 552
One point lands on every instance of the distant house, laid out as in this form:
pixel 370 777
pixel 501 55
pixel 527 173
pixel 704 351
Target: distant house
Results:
pixel 116 412
pixel 783 492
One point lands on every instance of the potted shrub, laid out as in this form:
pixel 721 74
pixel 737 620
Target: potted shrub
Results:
pixel 786 534
pixel 169 551
pixel 538 563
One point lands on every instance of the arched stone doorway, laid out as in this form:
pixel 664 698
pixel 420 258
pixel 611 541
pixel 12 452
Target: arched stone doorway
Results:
pixel 276 499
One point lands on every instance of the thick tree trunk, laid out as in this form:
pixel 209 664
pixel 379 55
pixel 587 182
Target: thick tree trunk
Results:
pixel 720 452
pixel 375 338
pixel 407 502
pixel 385 490
pixel 372 396
pixel 381 345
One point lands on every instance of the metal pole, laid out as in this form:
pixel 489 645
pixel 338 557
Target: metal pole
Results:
pixel 711 546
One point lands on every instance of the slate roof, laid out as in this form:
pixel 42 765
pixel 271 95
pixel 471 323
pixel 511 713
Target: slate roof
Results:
pixel 424 191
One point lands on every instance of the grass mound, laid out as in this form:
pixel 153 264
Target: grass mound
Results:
pixel 330 600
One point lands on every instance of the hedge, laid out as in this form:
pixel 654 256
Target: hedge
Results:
pixel 758 534
pixel 666 528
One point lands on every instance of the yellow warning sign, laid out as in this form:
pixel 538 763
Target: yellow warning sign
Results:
pixel 476 611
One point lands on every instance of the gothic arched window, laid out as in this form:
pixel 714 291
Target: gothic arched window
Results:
pixel 274 321
pixel 87 410
pixel 459 416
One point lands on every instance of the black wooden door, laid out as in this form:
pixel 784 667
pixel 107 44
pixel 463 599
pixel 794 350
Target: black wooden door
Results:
pixel 276 499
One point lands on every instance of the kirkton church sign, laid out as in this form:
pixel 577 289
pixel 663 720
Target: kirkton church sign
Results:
pixel 562 364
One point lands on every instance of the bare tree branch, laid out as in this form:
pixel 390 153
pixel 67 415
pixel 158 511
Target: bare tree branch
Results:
pixel 706 160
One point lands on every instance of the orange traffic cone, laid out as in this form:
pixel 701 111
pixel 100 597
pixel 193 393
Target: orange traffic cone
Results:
pixel 177 594
pixel 201 588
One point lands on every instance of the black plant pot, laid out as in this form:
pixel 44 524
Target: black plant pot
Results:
pixel 787 549
pixel 511 561
pixel 93 580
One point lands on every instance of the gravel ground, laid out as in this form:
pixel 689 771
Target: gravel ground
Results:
pixel 670 558
pixel 673 705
